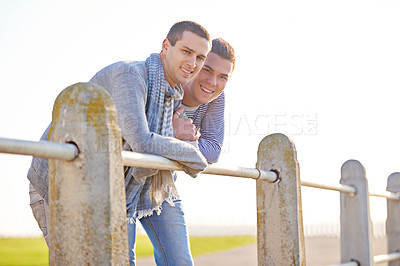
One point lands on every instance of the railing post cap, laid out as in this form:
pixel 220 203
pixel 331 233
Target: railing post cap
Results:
pixel 353 163
pixel 87 92
pixel 275 145
pixel 352 170
pixel 272 141
pixel 276 136
pixel 393 182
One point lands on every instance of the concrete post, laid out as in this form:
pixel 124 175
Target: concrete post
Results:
pixel 355 221
pixel 393 217
pixel 87 195
pixel 280 235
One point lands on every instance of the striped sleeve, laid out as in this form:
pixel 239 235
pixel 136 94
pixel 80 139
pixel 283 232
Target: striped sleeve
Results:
pixel 210 118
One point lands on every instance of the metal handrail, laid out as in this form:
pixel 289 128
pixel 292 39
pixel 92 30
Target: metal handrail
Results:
pixel 387 195
pixel 68 151
pixel 341 188
pixel 350 190
pixel 42 149
pixel 158 162
pixel 387 257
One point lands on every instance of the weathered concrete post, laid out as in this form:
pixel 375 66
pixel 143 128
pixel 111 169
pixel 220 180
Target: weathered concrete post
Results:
pixel 355 221
pixel 393 217
pixel 87 195
pixel 280 235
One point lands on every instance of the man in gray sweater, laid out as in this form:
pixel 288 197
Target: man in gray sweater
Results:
pixel 144 94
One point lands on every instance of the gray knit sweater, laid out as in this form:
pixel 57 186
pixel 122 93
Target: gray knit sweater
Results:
pixel 127 84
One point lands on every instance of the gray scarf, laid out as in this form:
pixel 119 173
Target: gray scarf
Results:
pixel 157 185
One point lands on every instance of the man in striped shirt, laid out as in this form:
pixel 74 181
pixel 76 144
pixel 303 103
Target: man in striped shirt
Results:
pixel 204 102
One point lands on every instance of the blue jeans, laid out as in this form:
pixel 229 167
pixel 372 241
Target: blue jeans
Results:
pixel 168 235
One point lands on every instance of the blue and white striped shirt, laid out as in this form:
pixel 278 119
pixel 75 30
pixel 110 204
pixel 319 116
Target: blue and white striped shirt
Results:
pixel 209 118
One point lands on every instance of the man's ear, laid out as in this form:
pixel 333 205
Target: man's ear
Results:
pixel 165 45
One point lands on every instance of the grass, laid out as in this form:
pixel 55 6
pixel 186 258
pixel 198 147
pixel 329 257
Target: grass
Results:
pixel 33 251
pixel 23 251
pixel 206 245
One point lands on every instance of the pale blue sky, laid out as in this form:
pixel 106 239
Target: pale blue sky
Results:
pixel 325 73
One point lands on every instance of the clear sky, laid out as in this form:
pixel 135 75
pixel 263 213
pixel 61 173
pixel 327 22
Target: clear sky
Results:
pixel 325 73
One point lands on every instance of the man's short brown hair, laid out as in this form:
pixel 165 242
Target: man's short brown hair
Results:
pixel 224 50
pixel 176 31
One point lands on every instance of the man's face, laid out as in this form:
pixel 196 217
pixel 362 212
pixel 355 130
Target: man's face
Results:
pixel 185 59
pixel 210 82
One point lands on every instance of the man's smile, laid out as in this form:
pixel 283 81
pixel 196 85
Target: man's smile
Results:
pixel 206 90
pixel 186 71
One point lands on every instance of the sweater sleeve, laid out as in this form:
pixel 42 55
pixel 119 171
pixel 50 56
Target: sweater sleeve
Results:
pixel 128 89
pixel 212 130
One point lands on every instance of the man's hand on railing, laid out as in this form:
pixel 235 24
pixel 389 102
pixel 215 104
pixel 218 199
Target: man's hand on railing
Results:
pixel 183 127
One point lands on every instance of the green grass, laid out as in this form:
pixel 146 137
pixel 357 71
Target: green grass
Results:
pixel 33 251
pixel 199 245
pixel 23 251
pixel 206 245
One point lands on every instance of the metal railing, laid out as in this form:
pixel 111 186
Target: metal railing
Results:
pixel 41 149
pixel 280 236
pixel 161 163
pixel 68 152
pixel 351 191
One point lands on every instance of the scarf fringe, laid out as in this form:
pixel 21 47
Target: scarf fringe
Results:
pixel 146 213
